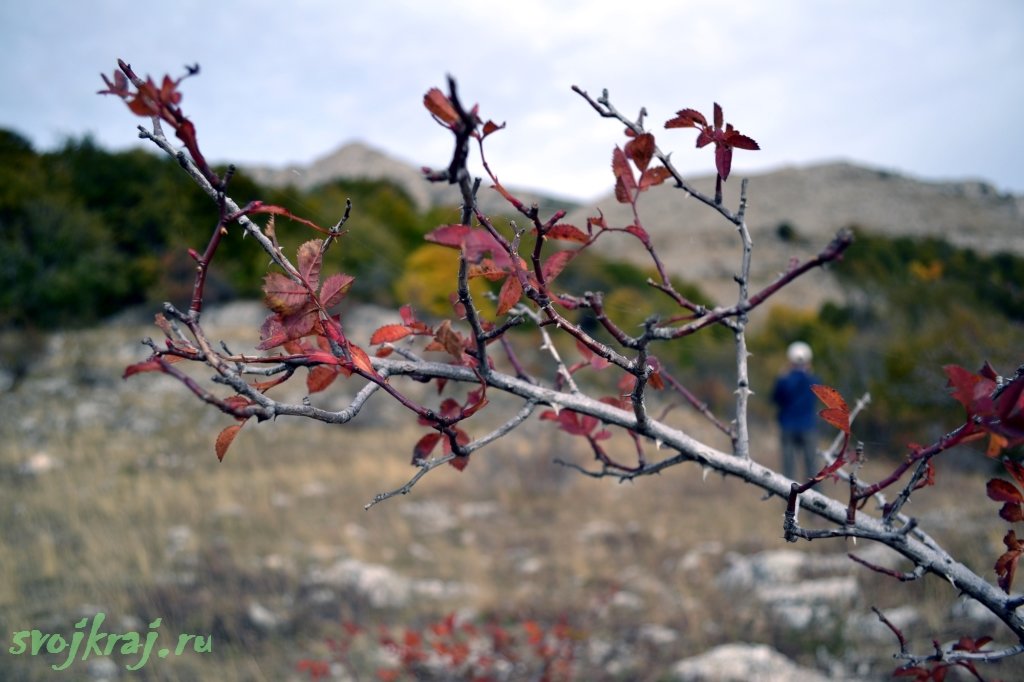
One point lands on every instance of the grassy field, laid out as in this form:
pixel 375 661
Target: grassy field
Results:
pixel 270 551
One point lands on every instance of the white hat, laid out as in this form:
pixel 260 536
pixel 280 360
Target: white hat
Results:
pixel 799 353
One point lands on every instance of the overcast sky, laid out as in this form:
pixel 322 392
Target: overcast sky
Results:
pixel 932 88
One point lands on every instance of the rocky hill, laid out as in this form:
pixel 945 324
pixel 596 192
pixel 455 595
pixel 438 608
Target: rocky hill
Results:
pixel 813 201
pixel 356 160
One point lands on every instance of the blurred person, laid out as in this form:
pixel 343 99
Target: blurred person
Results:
pixel 797 412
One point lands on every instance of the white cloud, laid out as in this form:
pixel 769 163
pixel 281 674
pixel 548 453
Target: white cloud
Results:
pixel 926 87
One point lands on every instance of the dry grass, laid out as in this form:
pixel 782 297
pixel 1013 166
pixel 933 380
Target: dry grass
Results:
pixel 140 521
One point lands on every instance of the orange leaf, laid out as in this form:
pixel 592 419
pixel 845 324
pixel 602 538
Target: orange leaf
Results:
pixel 449 339
pixel 836 413
pixel 360 359
pixel 224 439
pixel 837 418
pixel 151 365
pixel 440 106
pixel 488 269
pixel 654 176
pixel 567 232
pixel 511 292
pixel 389 333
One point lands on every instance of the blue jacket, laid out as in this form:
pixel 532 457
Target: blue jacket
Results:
pixel 798 406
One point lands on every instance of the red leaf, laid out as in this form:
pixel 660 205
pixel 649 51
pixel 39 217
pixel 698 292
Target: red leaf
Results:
pixel 1003 491
pixel 641 150
pixel 335 288
pixel 491 127
pixel 298 325
pixel 150 365
pixel 487 269
pixel 972 391
pixel 555 263
pixel 573 422
pixel 831 397
pixel 320 377
pixel 450 408
pixel 1015 469
pixel 719 118
pixel 309 260
pixel 1010 410
pixel 567 232
pixel 224 439
pixel 237 402
pixel 640 233
pixel 460 462
pixel 168 91
pixel 508 297
pixel 449 235
pixel 118 87
pixel 478 400
pixel 145 102
pixel 1006 565
pixel 424 446
pixel 625 184
pixel 738 141
pixel 479 242
pixel 836 413
pixel 407 315
pixel 687 118
pixel 461 437
pixel 258 207
pixel 595 360
pixel 449 339
pixel 272 333
pixel 1011 512
pixel 389 333
pixel 440 106
pixel 723 160
pixel 282 295
pixel 654 176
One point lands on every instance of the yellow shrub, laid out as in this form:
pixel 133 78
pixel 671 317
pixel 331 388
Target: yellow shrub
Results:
pixel 429 276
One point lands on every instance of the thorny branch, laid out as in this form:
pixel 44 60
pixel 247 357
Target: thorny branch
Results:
pixel 534 274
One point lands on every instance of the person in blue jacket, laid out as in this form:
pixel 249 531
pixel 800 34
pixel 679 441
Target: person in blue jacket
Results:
pixel 798 412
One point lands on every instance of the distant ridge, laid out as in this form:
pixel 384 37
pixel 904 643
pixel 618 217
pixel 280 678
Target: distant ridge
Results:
pixel 815 201
pixel 357 160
